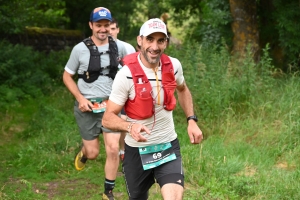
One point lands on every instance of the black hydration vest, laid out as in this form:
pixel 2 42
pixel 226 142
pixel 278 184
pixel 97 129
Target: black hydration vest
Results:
pixel 94 69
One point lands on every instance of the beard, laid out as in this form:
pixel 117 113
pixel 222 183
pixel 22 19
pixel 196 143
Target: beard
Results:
pixel 148 58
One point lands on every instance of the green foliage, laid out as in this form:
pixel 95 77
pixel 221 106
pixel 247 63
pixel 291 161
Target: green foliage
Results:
pixel 225 87
pixel 153 8
pixel 25 73
pixel 215 23
pixel 288 28
pixel 55 63
pixel 16 15
pixel 20 77
pixel 249 119
pixel 281 30
pixel 205 21
pixel 211 20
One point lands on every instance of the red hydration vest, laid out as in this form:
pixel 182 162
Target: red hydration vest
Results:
pixel 142 106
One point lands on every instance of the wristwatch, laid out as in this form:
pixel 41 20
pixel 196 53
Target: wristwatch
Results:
pixel 193 117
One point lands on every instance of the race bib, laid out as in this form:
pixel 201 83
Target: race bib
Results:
pixel 155 155
pixel 99 105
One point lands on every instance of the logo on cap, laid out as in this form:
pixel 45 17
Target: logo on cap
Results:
pixel 103 13
pixel 156 25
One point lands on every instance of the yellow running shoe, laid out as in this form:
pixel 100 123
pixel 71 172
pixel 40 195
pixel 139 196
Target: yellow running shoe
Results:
pixel 109 196
pixel 80 161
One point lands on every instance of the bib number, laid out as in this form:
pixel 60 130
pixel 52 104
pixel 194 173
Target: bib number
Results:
pixel 99 105
pixel 156 155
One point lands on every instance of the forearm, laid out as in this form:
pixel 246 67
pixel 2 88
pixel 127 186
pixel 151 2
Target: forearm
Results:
pixel 111 118
pixel 185 100
pixel 114 122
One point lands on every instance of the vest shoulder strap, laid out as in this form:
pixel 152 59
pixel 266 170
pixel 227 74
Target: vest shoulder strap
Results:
pixel 136 70
pixel 91 46
pixel 89 42
pixel 131 58
pixel 166 64
pixel 113 47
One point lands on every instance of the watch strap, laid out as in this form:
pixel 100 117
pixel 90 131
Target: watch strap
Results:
pixel 193 117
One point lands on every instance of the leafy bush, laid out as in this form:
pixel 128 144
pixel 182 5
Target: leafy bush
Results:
pixel 25 73
pixel 54 64
pixel 287 27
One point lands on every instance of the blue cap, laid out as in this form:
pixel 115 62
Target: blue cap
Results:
pixel 99 14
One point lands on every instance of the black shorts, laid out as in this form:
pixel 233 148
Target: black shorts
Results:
pixel 138 181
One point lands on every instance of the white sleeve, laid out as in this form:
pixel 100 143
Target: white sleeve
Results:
pixel 177 70
pixel 121 87
pixel 73 62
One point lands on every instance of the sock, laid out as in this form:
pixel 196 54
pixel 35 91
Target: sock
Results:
pixel 108 186
pixel 83 158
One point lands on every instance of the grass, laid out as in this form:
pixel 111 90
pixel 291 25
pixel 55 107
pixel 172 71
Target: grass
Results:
pixel 250 122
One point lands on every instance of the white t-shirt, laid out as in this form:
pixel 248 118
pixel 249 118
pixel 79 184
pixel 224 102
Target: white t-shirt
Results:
pixel 161 124
pixel 129 48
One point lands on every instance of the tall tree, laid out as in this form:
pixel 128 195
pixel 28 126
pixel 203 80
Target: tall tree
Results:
pixel 253 22
pixel 245 27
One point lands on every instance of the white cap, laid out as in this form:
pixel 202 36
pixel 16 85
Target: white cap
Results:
pixel 153 26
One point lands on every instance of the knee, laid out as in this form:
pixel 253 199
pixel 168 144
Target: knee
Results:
pixel 92 154
pixel 112 150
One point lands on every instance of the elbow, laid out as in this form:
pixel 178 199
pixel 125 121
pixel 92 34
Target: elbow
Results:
pixel 65 78
pixel 105 120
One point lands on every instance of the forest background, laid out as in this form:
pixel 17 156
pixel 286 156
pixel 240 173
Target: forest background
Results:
pixel 241 62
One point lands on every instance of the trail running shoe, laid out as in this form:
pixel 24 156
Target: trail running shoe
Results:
pixel 109 196
pixel 80 161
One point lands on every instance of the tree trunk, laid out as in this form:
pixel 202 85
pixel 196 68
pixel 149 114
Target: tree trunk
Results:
pixel 245 28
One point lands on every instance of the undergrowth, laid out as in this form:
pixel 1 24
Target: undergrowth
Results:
pixel 248 114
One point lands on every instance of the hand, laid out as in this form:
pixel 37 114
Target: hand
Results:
pixel 85 105
pixel 194 132
pixel 136 130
